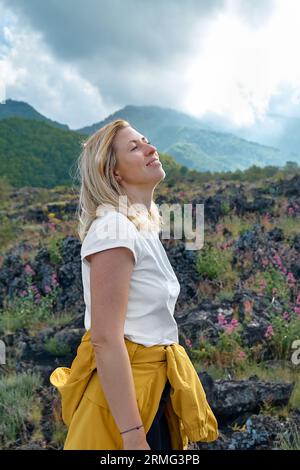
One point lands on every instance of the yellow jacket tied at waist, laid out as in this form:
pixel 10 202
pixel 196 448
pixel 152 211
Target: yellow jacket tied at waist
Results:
pixel 86 412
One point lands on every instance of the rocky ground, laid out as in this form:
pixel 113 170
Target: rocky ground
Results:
pixel 237 322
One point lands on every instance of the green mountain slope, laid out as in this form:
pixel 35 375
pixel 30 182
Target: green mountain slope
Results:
pixel 174 133
pixel 12 108
pixel 185 138
pixel 34 153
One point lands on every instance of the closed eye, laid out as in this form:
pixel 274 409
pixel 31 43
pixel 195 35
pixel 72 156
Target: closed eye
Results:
pixel 148 142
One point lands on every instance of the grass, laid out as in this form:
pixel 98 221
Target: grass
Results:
pixel 215 264
pixel 289 225
pixel 226 294
pixel 8 232
pixel 290 440
pixel 236 224
pixel 59 434
pixel 55 348
pixel 18 407
pixel 280 373
pixel 25 313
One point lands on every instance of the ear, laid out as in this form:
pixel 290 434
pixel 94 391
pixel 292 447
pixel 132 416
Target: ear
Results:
pixel 117 176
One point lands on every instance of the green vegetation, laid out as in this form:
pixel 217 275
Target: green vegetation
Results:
pixel 18 407
pixel 32 310
pixel 215 264
pixel 290 440
pixel 20 109
pixel 8 231
pixel 34 153
pixel 57 349
pixel 38 152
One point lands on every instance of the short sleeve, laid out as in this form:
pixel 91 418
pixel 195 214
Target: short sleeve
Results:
pixel 111 231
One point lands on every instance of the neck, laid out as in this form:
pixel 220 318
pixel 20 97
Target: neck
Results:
pixel 140 196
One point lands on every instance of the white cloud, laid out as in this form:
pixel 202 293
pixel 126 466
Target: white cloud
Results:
pixel 31 73
pixel 236 60
pixel 242 67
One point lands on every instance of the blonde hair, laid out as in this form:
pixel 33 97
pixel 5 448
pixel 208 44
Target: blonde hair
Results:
pixel 98 186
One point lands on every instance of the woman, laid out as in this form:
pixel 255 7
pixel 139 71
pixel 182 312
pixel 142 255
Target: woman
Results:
pixel 131 385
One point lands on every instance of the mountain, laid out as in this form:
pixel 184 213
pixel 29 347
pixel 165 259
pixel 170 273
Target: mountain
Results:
pixel 147 118
pixel 12 108
pixel 276 130
pixel 34 153
pixel 194 144
pixel 190 141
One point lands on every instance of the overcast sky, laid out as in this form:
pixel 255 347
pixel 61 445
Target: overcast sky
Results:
pixel 77 61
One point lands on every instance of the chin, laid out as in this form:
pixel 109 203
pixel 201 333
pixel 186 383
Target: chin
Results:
pixel 161 175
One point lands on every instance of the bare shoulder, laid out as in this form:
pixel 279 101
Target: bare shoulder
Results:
pixel 119 255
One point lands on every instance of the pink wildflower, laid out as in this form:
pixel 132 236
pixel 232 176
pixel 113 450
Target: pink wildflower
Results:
pixel 290 278
pixel 47 289
pixel 234 322
pixel 188 343
pixel 54 280
pixel 277 260
pixel 52 226
pixel 297 311
pixel 34 289
pixel 28 270
pixel 221 319
pixel 298 299
pixel 23 293
pixel 241 355
pixel 269 332
pixel 231 327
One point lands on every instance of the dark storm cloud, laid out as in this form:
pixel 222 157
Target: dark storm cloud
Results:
pixel 152 29
pixel 130 51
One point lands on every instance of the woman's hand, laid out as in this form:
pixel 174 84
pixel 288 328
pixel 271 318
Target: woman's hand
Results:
pixel 135 440
pixel 136 446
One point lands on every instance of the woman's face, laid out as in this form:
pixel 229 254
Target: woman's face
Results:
pixel 134 156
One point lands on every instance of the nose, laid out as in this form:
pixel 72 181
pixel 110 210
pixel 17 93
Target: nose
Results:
pixel 150 148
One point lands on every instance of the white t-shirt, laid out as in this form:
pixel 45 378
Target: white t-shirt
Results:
pixel 154 287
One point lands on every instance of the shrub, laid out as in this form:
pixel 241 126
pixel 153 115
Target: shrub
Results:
pixel 212 263
pixel 284 332
pixel 29 309
pixel 274 280
pixel 55 348
pixel 8 231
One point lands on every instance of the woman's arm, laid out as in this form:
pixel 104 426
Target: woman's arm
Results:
pixel 110 280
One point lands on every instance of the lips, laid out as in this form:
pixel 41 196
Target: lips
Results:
pixel 152 160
